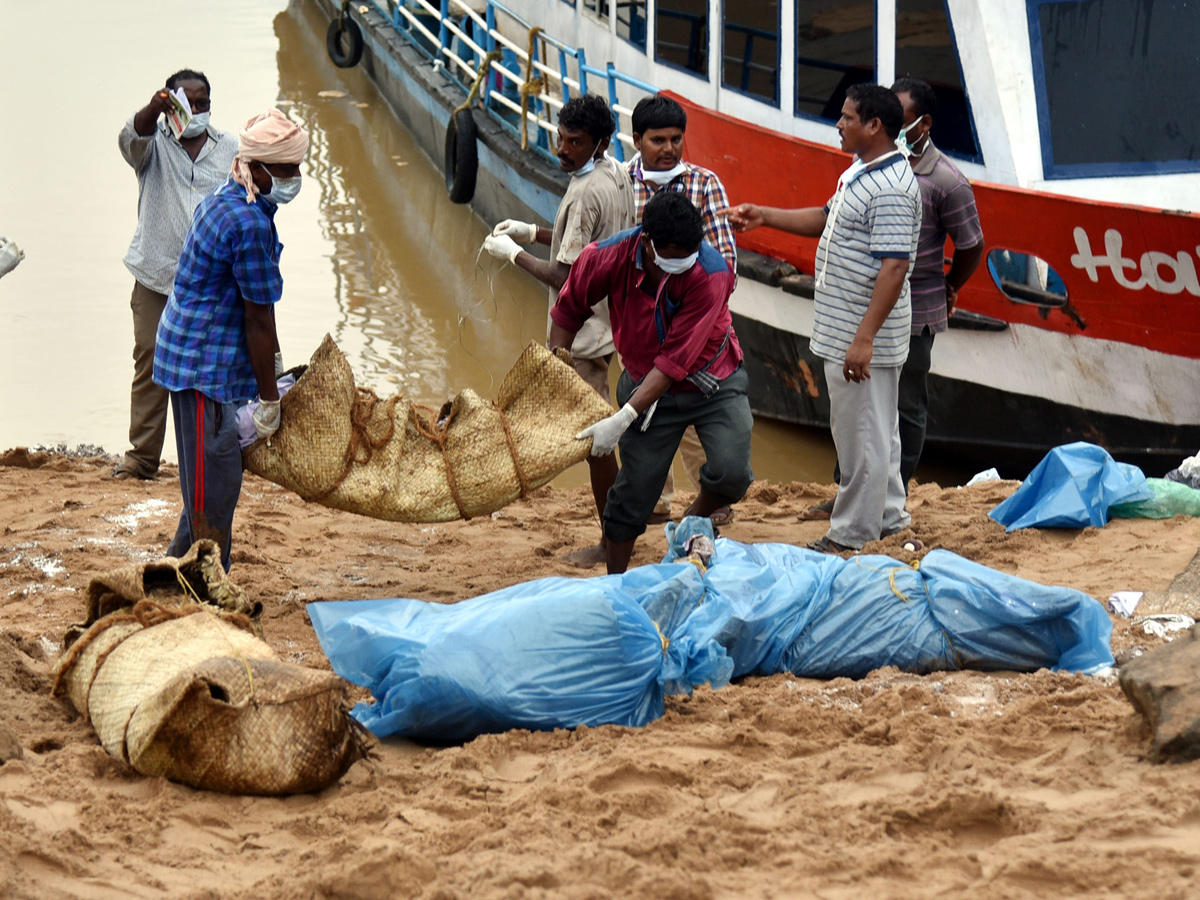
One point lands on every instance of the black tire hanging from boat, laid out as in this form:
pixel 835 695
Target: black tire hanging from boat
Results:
pixel 462 156
pixel 344 41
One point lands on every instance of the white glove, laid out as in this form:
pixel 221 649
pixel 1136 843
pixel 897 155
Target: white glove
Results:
pixel 279 369
pixel 501 247
pixel 521 232
pixel 266 418
pixel 10 255
pixel 607 432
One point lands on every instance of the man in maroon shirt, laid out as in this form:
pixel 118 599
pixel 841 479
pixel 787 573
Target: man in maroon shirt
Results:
pixel 669 306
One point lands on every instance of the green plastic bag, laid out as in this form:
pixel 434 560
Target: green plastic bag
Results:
pixel 1170 499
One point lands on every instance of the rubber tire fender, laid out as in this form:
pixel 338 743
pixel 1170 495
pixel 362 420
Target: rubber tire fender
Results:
pixel 348 57
pixel 462 157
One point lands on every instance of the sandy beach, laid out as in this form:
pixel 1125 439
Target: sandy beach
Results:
pixel 995 785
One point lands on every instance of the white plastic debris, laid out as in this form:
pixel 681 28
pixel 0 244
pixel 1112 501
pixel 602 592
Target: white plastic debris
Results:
pixel 984 476
pixel 1123 603
pixel 1165 624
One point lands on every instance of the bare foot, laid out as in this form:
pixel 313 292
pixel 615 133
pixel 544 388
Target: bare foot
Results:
pixel 588 557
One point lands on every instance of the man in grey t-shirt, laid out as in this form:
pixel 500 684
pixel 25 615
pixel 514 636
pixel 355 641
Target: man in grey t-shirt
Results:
pixel 174 175
pixel 598 203
pixel 868 232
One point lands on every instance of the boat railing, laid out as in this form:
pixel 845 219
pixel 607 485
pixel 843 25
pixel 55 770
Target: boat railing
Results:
pixel 530 90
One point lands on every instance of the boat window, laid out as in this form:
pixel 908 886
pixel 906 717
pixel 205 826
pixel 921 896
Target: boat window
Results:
pixel 681 34
pixel 1024 278
pixel 750 48
pixel 631 21
pixel 925 49
pixel 835 48
pixel 597 8
pixel 1111 78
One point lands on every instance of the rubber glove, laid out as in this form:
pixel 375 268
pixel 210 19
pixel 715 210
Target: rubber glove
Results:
pixel 279 369
pixel 521 232
pixel 607 432
pixel 501 247
pixel 266 418
pixel 10 255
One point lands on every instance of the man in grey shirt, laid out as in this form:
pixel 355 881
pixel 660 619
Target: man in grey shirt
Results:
pixel 598 203
pixel 174 175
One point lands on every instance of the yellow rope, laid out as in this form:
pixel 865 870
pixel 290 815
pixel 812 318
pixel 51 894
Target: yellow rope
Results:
pixel 530 87
pixel 480 77
pixel 666 641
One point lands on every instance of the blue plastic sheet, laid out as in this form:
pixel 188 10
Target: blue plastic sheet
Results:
pixel 561 652
pixel 1072 487
pixel 778 608
pixel 556 652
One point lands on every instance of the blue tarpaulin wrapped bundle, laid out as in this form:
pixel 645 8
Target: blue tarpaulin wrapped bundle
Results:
pixel 1072 487
pixel 561 652
pixel 551 653
pixel 778 608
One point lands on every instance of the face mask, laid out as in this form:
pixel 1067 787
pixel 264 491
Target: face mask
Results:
pixel 902 143
pixel 585 168
pixel 674 266
pixel 196 126
pixel 664 177
pixel 284 190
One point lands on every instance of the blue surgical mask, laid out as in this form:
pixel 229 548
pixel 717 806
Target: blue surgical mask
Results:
pixel 902 142
pixel 196 125
pixel 284 190
pixel 585 168
pixel 674 266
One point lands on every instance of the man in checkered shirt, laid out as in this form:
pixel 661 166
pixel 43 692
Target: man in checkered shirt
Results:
pixel 216 346
pixel 658 126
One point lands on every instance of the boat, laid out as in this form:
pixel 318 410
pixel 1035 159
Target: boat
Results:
pixel 1064 114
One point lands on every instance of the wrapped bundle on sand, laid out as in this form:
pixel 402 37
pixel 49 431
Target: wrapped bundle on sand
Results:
pixel 393 459
pixel 169 670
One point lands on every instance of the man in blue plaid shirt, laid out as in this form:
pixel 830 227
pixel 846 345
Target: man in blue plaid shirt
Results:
pixel 216 346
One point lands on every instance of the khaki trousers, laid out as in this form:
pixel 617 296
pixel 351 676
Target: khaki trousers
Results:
pixel 147 401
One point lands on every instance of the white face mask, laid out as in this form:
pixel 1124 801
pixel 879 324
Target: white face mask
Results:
pixel 284 190
pixel 674 266
pixel 196 125
pixel 664 177
pixel 902 143
pixel 585 168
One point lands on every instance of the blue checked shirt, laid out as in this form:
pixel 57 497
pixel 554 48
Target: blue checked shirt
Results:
pixel 231 254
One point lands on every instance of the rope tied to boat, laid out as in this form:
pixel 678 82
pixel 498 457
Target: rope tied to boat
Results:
pixel 532 86
pixel 480 77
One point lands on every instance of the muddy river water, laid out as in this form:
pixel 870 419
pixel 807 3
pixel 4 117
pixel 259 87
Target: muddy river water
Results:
pixel 375 254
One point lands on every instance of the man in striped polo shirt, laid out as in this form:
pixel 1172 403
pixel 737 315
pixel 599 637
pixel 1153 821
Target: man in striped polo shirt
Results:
pixel 869 231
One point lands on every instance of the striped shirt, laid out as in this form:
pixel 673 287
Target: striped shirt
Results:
pixel 948 208
pixel 230 255
pixel 170 184
pixel 705 192
pixel 875 215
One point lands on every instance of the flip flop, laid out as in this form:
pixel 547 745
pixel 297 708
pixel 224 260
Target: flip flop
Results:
pixel 819 513
pixel 658 518
pixel 826 545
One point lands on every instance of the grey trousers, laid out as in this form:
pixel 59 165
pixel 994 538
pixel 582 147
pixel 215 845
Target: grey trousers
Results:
pixel 723 423
pixel 147 400
pixel 866 435
pixel 210 471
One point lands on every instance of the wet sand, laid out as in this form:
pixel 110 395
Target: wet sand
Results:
pixel 966 784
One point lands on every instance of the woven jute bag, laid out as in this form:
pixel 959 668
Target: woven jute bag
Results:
pixel 393 459
pixel 177 685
